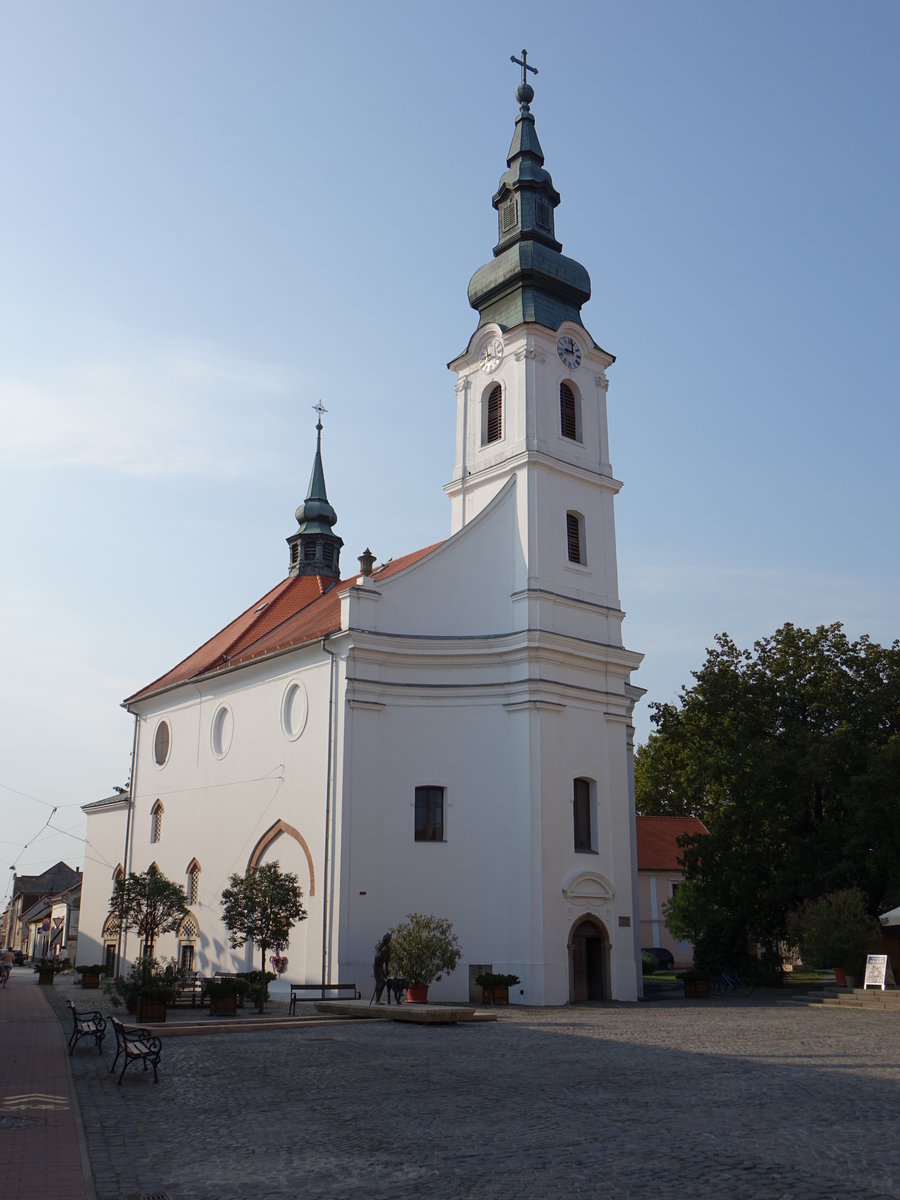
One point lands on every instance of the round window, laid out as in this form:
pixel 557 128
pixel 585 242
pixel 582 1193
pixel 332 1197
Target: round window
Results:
pixel 294 708
pixel 222 731
pixel 161 744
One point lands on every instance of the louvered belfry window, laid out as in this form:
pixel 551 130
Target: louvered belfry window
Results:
pixel 573 537
pixel 494 429
pixel 568 424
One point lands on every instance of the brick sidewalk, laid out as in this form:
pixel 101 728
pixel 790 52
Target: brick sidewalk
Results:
pixel 42 1152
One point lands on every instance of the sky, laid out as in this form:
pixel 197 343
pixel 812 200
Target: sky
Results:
pixel 216 215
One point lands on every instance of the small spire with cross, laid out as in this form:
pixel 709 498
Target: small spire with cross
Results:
pixel 524 92
pixel 319 408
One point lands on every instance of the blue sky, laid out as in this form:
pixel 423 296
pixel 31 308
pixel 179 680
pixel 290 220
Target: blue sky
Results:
pixel 216 214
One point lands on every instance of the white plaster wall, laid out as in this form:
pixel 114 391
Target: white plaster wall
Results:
pixel 104 851
pixel 217 807
pixel 480 877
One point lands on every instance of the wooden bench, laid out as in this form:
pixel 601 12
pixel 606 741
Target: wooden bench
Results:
pixel 137 1045
pixel 86 1024
pixel 301 990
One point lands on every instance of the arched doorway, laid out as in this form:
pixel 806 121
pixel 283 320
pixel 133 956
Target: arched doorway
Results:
pixel 589 961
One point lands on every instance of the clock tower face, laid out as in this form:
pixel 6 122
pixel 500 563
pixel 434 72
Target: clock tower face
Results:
pixel 491 355
pixel 569 351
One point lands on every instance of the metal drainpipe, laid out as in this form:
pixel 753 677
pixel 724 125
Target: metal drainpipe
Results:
pixel 328 798
pixel 122 938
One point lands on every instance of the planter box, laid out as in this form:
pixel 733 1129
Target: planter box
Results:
pixel 90 981
pixel 417 995
pixel 499 994
pixel 150 1010
pixel 223 1006
pixel 698 988
pixel 46 977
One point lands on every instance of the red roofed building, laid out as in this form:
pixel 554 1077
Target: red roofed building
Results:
pixel 659 874
pixel 449 732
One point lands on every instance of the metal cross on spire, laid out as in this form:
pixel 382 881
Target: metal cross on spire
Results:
pixel 319 408
pixel 523 63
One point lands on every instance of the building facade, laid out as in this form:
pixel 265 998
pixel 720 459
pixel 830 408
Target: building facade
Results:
pixel 449 732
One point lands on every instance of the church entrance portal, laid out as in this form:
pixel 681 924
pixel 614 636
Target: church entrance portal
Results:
pixel 589 956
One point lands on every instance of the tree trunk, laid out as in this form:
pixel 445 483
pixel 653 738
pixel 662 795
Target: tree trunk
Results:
pixel 262 983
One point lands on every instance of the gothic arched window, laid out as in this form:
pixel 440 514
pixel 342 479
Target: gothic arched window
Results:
pixel 156 819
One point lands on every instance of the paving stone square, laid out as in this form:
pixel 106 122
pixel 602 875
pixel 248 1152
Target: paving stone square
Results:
pixel 670 1099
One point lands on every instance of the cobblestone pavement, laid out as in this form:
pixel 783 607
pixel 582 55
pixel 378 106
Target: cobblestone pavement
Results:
pixel 666 1100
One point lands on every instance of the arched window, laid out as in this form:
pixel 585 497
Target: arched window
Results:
pixel 492 416
pixel 575 537
pixel 193 881
pixel 162 743
pixel 584 816
pixel 156 819
pixel 569 413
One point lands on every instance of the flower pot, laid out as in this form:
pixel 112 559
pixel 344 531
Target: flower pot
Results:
pixel 498 994
pixel 417 995
pixel 840 977
pixel 45 976
pixel 223 1006
pixel 90 980
pixel 151 1010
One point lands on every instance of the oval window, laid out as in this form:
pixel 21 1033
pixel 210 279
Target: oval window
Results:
pixel 294 709
pixel 222 731
pixel 161 744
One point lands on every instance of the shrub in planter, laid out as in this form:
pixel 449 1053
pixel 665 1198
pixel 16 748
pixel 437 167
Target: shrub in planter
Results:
pixel 495 986
pixel 223 995
pixel 835 931
pixel 423 949
pixel 90 976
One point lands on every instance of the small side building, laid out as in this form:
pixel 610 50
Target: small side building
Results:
pixel 660 872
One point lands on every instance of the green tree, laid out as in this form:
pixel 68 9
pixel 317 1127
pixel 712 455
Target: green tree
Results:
pixel 262 906
pixel 149 903
pixel 790 755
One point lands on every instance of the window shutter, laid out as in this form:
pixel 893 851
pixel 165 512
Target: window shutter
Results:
pixel 573 537
pixel 495 414
pixel 568 425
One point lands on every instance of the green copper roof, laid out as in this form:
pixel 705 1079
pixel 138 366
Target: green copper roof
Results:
pixel 315 549
pixel 529 279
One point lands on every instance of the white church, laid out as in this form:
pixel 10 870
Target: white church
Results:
pixel 401 739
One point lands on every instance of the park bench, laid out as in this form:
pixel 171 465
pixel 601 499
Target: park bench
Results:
pixel 299 991
pixel 86 1024
pixel 137 1045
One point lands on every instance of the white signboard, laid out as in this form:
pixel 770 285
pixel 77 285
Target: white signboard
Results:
pixel 877 971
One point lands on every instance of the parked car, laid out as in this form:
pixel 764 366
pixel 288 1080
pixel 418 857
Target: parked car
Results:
pixel 665 959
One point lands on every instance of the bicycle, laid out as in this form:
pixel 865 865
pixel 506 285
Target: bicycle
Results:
pixel 5 969
pixel 730 981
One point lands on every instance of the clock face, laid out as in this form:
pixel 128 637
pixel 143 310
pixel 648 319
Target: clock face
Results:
pixel 491 355
pixel 569 351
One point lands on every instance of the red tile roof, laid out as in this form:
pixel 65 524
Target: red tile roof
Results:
pixel 299 610
pixel 656 845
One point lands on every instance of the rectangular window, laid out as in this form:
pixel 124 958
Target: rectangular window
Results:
pixel 582 815
pixel 429 814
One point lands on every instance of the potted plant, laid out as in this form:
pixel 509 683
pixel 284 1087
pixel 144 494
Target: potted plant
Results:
pixel 47 971
pixel 696 983
pixel 495 987
pixel 423 950
pixel 90 975
pixel 223 995
pixel 835 931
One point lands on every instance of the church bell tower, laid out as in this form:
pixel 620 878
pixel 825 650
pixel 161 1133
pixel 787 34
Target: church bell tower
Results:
pixel 531 390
